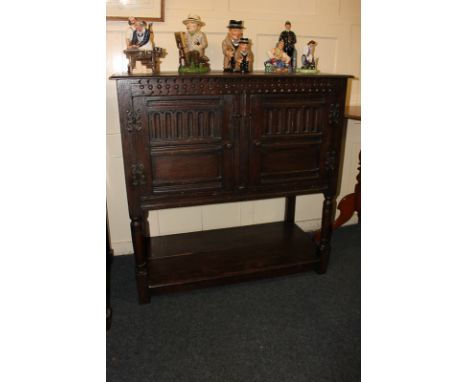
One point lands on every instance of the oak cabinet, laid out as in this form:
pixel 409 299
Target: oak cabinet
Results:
pixel 214 138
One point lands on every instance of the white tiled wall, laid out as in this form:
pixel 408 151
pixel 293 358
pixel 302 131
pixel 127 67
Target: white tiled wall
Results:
pixel 335 24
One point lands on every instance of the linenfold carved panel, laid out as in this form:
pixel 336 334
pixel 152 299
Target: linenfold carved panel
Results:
pixel 184 120
pixel 290 120
pixel 289 115
pixel 180 125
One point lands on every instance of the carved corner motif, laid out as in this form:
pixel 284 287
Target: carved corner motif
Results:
pixel 134 121
pixel 138 175
pixel 334 115
pixel 330 161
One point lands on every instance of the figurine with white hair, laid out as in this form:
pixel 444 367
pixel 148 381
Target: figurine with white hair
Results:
pixel 192 45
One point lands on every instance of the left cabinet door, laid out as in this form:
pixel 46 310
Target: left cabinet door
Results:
pixel 188 143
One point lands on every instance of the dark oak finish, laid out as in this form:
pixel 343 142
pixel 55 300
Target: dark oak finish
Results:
pixel 350 203
pixel 223 137
pixel 290 210
pixel 184 261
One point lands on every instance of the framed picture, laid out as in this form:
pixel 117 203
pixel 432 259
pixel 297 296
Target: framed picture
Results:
pixel 148 10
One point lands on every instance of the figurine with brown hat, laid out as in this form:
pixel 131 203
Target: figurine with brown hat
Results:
pixel 309 62
pixel 192 45
pixel 231 43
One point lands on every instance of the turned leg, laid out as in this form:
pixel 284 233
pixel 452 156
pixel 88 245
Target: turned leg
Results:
pixel 132 65
pixel 154 62
pixel 290 210
pixel 326 231
pixel 350 204
pixel 138 227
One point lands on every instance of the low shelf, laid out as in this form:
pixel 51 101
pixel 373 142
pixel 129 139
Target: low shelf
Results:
pixel 190 140
pixel 207 258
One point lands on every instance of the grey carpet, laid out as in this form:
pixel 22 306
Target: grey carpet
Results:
pixel 296 328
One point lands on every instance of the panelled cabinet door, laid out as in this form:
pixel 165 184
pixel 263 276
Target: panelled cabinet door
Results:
pixel 287 132
pixel 188 143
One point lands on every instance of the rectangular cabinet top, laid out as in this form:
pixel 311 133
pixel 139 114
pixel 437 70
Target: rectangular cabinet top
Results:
pixel 220 74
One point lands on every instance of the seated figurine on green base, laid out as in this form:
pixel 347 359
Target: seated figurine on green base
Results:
pixel 192 45
pixel 309 62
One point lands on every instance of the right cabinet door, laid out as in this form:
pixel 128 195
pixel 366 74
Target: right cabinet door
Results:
pixel 289 139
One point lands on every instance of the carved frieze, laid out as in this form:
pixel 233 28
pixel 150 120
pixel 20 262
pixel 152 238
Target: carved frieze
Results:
pixel 180 86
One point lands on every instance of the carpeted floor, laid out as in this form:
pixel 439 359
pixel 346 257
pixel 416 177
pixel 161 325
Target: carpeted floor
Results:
pixel 300 328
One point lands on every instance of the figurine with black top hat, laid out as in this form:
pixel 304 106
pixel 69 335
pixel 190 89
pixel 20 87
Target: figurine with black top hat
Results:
pixel 230 44
pixel 243 56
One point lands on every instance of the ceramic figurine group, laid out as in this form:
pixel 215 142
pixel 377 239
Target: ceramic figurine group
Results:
pixel 283 58
pixel 192 44
pixel 236 49
pixel 238 56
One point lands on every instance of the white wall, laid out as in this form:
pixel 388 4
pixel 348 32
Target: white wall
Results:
pixel 334 24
